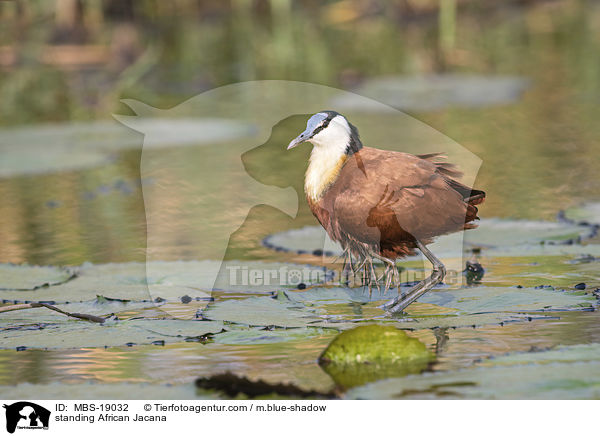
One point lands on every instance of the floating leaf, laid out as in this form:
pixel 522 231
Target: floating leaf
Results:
pixel 314 240
pixel 31 277
pixel 260 311
pixel 571 353
pixel 97 307
pixel 73 146
pixel 470 300
pixel 104 391
pixel 494 232
pixel 253 336
pixel 571 372
pixel 168 281
pixel 432 92
pixel 587 213
pixel 66 333
pixel 499 236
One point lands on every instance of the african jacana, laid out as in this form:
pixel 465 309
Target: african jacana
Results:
pixel 383 204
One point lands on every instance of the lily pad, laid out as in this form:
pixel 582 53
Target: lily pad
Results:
pixel 261 311
pixel 97 307
pixel 77 334
pixel 31 277
pixel 167 281
pixel 571 372
pixel 73 146
pixel 104 391
pixel 496 236
pixel 494 232
pixel 371 352
pixel 588 213
pixel 570 353
pixel 314 240
pixel 557 380
pixel 433 92
pixel 254 336
pixel 472 300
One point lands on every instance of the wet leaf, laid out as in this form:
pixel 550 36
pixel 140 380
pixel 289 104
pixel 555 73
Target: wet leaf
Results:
pixel 587 213
pixel 166 281
pixel 571 353
pixel 495 232
pixel 31 277
pixel 260 311
pixel 471 300
pixel 67 333
pixel 498 237
pixel 66 147
pixel 263 336
pixel 571 372
pixel 424 93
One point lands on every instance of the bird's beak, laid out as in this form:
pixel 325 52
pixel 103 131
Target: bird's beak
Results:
pixel 304 136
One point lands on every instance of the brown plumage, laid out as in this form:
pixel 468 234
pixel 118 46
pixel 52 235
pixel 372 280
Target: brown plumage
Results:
pixel 383 200
pixel 383 204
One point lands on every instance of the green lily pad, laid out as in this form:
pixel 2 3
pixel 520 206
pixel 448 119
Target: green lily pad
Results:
pixel 551 381
pixel 433 92
pixel 470 300
pixel 104 391
pixel 66 147
pixel 571 372
pixel 467 307
pixel 31 277
pixel 69 333
pixel 499 236
pixel 587 213
pixel 371 352
pixel 252 336
pixel 261 311
pixel 97 307
pixel 168 281
pixel 570 353
pixel 494 232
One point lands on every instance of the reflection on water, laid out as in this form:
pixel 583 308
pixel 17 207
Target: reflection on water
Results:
pixel 539 154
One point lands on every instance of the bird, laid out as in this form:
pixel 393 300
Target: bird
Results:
pixel 382 204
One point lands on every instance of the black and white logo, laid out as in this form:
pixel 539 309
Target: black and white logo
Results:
pixel 26 415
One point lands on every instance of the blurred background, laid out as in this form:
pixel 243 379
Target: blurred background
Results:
pixel 516 82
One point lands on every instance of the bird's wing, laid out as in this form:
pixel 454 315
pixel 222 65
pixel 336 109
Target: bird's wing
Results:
pixel 389 197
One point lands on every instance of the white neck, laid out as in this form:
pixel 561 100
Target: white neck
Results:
pixel 327 157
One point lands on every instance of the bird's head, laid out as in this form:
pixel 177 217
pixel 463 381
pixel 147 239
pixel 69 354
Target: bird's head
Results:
pixel 329 129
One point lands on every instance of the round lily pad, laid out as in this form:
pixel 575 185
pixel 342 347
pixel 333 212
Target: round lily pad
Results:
pixel 570 353
pixel 69 333
pixel 470 300
pixel 424 93
pixel 66 147
pixel 260 311
pixel 253 336
pixel 496 236
pixel 494 232
pixel 571 372
pixel 585 214
pixel 372 352
pixel 170 281
pixel 31 277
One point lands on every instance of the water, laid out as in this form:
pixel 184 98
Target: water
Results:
pixel 540 155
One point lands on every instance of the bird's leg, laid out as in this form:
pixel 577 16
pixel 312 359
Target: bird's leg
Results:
pixel 402 301
pixel 369 275
pixel 347 264
pixel 391 272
